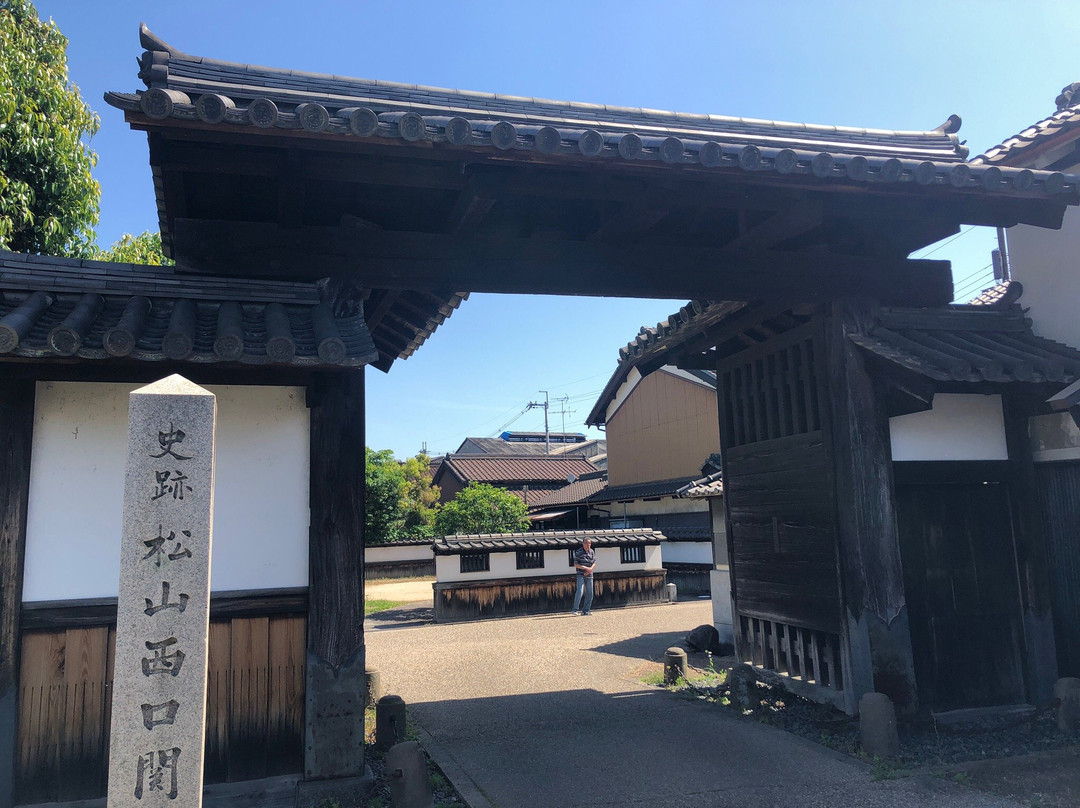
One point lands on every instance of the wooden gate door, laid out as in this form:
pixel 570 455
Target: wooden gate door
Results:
pixel 960 578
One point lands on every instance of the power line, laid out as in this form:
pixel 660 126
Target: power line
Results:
pixel 944 244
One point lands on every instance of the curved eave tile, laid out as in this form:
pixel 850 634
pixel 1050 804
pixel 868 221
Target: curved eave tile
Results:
pixel 767 153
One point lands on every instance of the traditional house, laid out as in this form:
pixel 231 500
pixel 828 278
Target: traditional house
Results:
pixel 661 426
pixel 526 476
pixel 568 507
pixel 505 574
pixel 389 202
pixel 1040 266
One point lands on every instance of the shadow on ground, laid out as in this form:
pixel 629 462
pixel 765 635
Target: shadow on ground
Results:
pixel 648 647
pixel 408 615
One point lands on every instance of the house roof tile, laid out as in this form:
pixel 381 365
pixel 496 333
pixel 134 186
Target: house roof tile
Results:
pixel 649 490
pixel 549 539
pixel 521 469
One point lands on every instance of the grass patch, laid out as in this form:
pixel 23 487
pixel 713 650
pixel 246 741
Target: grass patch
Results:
pixel 373 606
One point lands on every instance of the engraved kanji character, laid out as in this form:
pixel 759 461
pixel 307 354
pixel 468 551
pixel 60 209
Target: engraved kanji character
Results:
pixel 174 486
pixel 162 662
pixel 170 439
pixel 151 773
pixel 156 547
pixel 151 713
pixel 180 605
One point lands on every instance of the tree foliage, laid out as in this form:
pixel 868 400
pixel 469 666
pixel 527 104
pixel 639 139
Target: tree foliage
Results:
pixel 144 248
pixel 48 196
pixel 401 501
pixel 482 508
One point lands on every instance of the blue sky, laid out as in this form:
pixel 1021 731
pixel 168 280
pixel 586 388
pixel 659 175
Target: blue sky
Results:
pixel 873 64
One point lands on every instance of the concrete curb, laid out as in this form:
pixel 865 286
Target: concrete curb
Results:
pixel 469 792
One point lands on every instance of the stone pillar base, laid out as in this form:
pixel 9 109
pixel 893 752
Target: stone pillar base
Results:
pixel 342 790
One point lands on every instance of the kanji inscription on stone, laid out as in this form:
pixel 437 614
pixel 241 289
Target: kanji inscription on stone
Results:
pixel 163 610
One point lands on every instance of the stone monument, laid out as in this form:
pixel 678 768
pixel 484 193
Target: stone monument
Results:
pixel 159 684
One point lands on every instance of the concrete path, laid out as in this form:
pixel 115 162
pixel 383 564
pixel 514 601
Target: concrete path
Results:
pixel 406 590
pixel 551 711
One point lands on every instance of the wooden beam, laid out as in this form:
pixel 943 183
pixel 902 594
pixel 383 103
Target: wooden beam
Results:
pixel 335 697
pixel 374 315
pixel 411 260
pixel 16 430
pixel 879 647
pixel 800 218
pixel 630 221
pixel 469 211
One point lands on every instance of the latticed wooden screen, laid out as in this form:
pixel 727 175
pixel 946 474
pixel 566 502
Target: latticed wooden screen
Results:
pixel 772 392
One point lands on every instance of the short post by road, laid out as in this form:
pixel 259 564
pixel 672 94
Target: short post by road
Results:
pixel 1067 696
pixel 877 726
pixel 159 686
pixel 390 721
pixel 674 665
pixel 373 680
pixel 406 769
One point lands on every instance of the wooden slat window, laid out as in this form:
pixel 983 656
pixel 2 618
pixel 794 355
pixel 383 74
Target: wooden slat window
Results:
pixel 530 559
pixel 634 554
pixel 475 562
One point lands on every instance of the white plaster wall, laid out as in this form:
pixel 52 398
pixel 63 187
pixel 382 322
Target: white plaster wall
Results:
pixel 720 588
pixel 389 553
pixel 1046 263
pixel 688 552
pixel 556 562
pixel 959 427
pixel 76 490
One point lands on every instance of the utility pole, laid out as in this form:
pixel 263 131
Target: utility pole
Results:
pixel 545 404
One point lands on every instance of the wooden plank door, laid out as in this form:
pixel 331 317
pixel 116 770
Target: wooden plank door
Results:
pixel 960 579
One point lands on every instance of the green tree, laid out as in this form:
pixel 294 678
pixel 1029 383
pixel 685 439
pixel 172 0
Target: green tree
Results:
pixel 384 487
pixel 420 500
pixel 48 195
pixel 144 248
pixel 482 508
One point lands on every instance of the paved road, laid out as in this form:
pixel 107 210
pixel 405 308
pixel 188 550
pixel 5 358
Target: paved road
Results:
pixel 551 711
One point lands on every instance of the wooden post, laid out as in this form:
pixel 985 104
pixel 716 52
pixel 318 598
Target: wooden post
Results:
pixel 336 687
pixel 1040 650
pixel 879 653
pixel 16 430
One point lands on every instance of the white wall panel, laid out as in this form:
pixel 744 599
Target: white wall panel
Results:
pixel 76 490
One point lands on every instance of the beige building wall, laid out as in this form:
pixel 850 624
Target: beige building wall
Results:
pixel 665 428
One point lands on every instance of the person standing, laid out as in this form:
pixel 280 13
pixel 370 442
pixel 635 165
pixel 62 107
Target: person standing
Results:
pixel 584 563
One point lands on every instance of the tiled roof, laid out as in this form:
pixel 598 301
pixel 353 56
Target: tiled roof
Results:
pixel 574 493
pixel 53 308
pixel 679 534
pixel 650 490
pixel 969 344
pixel 1000 296
pixel 1065 121
pixel 709 486
pixel 549 539
pixel 501 469
pixel 229 94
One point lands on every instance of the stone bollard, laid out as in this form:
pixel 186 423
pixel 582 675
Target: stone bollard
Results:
pixel 374 685
pixel 877 726
pixel 389 721
pixel 406 771
pixel 674 665
pixel 1067 695
pixel 672 592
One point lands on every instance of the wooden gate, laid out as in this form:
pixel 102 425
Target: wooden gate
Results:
pixel 1059 503
pixel 960 578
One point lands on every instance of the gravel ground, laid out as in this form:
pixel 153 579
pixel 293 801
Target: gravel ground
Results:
pixel 552 711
